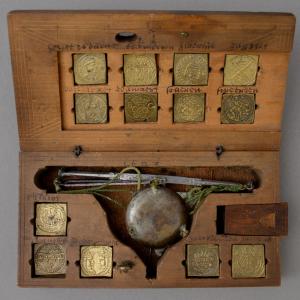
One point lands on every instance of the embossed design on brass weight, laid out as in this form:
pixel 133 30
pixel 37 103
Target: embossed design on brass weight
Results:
pixel 90 68
pixel 189 108
pixel 96 261
pixel 238 109
pixel 202 260
pixel 248 261
pixel 240 69
pixel 51 219
pixel 190 69
pixel 49 259
pixel 140 69
pixel 140 108
pixel 91 108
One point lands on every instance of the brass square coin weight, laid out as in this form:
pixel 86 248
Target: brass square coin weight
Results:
pixel 49 259
pixel 190 69
pixel 96 261
pixel 140 108
pixel 91 108
pixel 202 260
pixel 51 219
pixel 90 68
pixel 140 69
pixel 248 261
pixel 189 108
pixel 240 69
pixel 238 109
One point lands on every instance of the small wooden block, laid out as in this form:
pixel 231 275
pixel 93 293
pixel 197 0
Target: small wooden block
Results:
pixel 96 261
pixel 256 219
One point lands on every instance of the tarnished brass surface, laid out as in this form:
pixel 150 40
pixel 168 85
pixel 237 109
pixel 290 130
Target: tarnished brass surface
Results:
pixel 190 69
pixel 91 108
pixel 238 109
pixel 248 261
pixel 156 217
pixel 96 261
pixel 90 68
pixel 202 260
pixel 140 69
pixel 51 219
pixel 140 108
pixel 240 69
pixel 49 259
pixel 189 108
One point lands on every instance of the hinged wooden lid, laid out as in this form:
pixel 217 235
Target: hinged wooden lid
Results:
pixel 42 45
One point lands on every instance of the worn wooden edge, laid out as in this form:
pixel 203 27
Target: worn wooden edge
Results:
pixel 20 277
pixel 141 11
pixel 137 141
pixel 291 18
pixel 281 25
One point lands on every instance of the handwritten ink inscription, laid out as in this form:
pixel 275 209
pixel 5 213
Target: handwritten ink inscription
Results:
pixel 138 89
pixel 39 197
pixel 226 238
pixel 88 89
pixel 182 89
pixel 205 45
pixel 236 90
pixel 119 89
pixel 248 46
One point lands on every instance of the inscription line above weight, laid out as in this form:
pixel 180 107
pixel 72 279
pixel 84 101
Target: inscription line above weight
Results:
pixel 144 89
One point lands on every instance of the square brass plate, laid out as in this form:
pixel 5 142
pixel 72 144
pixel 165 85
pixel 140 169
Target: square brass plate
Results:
pixel 140 69
pixel 96 261
pixel 238 109
pixel 51 219
pixel 90 68
pixel 140 108
pixel 202 260
pixel 49 259
pixel 248 261
pixel 189 108
pixel 190 69
pixel 91 108
pixel 240 69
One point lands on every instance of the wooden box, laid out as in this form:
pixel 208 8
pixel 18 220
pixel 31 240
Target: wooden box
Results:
pixel 221 146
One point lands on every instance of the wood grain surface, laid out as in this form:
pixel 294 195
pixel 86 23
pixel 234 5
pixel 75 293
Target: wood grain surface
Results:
pixel 43 44
pixel 261 219
pixel 90 224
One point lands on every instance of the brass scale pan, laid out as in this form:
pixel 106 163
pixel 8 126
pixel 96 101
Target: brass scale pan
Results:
pixel 156 216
